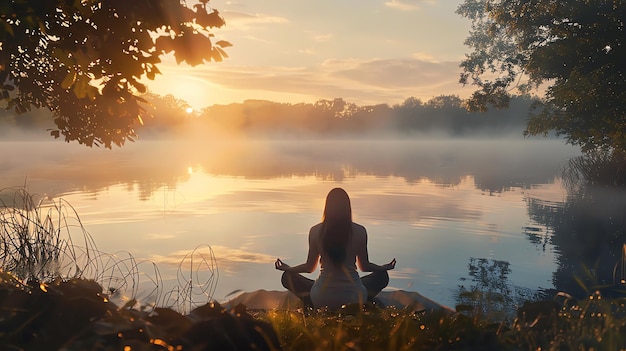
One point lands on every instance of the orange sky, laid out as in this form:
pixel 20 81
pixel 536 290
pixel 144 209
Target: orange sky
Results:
pixel 366 52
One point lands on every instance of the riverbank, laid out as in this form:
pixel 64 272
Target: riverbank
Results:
pixel 284 300
pixel 75 314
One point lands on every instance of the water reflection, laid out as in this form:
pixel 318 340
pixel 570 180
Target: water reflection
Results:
pixel 229 258
pixel 588 232
pixel 432 204
pixel 496 165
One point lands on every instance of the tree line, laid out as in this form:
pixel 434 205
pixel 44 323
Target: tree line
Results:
pixel 443 115
pixel 335 118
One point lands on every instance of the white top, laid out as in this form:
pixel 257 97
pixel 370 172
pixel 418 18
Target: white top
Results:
pixel 339 285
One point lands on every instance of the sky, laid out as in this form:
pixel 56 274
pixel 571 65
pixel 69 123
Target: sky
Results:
pixel 364 51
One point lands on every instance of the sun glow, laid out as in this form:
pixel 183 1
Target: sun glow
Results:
pixel 189 109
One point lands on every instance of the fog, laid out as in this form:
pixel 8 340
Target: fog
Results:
pixel 55 167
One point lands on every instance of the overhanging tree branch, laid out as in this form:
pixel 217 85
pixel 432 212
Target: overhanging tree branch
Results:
pixel 83 60
pixel 573 49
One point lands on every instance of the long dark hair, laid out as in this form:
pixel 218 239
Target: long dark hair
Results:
pixel 336 225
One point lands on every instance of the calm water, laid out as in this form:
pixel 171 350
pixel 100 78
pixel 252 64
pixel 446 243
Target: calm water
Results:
pixel 431 204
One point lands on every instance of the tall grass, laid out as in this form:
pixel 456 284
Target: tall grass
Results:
pixel 197 277
pixel 557 324
pixel 595 323
pixel 43 240
pixel 601 167
pixel 374 328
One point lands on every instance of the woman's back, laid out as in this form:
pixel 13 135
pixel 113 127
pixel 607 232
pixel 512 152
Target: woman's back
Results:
pixel 338 284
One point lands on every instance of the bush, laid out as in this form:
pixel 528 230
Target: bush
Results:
pixel 75 315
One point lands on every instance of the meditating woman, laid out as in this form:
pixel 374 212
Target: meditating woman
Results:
pixel 338 244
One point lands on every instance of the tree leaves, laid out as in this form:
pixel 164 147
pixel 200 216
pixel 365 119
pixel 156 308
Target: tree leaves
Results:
pixel 572 50
pixel 69 80
pixel 223 44
pixel 83 60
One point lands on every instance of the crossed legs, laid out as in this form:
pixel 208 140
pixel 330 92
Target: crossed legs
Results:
pixel 375 282
pixel 301 286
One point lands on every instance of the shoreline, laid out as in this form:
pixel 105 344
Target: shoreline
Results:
pixel 284 300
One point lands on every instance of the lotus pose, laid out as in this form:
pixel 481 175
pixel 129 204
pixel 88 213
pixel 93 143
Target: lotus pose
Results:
pixel 338 244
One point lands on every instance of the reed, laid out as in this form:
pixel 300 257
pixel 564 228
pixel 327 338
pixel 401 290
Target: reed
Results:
pixel 42 240
pixel 197 278
pixel 600 167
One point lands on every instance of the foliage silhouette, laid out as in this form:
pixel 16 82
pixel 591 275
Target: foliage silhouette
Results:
pixel 597 167
pixel 83 60
pixel 441 116
pixel 337 118
pixel 74 314
pixel 570 51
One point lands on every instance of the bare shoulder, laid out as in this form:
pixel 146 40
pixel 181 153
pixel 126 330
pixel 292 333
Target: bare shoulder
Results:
pixel 315 230
pixel 358 229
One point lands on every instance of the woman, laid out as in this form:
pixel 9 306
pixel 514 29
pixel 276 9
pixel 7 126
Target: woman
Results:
pixel 338 244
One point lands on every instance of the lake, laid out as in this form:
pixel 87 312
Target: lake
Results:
pixel 433 204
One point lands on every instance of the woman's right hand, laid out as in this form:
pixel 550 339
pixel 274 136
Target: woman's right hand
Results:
pixel 280 265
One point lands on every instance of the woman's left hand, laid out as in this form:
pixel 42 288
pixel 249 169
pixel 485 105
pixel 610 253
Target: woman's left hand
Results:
pixel 390 265
pixel 280 265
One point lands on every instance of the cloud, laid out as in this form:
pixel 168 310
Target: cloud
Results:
pixel 361 81
pixel 241 20
pixel 391 72
pixel 321 38
pixel 420 56
pixel 258 39
pixel 408 5
pixel 401 5
pixel 156 236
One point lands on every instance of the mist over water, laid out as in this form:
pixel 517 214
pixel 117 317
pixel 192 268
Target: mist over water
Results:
pixel 495 163
pixel 431 203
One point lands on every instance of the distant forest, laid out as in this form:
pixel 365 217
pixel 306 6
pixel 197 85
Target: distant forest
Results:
pixel 442 115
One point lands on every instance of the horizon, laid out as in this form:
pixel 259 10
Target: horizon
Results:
pixel 373 55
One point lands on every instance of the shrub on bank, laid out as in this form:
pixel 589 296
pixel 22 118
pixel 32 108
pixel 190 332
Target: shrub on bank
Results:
pixel 591 324
pixel 75 315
